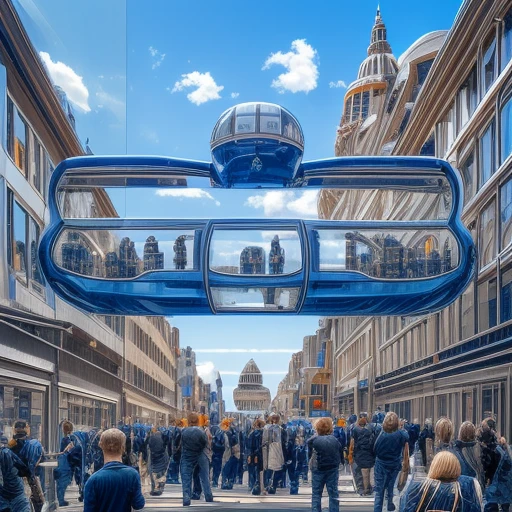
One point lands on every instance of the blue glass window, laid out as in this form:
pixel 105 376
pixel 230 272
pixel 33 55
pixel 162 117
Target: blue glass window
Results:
pixel 487 165
pixel 487 305
pixel 506 213
pixel 506 294
pixel 506 130
pixel 489 66
pixel 487 235
pixel 467 170
pixel 506 41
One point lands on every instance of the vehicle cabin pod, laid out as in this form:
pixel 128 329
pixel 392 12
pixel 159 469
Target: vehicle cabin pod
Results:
pixel 133 235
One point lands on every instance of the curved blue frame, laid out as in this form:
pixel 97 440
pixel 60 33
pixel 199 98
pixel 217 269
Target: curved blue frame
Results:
pixel 320 292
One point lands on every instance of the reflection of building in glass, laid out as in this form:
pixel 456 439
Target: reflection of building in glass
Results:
pixel 252 260
pixel 180 253
pixel 276 257
pixel 251 395
pixel 153 258
pixel 385 257
pixel 76 256
pixel 128 259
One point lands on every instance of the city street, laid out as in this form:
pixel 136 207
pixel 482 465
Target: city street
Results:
pixel 239 499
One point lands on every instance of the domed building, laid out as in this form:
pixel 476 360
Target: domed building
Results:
pixel 251 395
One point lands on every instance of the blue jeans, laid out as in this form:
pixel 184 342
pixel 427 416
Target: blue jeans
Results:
pixel 173 475
pixel 293 475
pixel 328 478
pixel 229 473
pixel 385 479
pixel 187 471
pixel 18 504
pixel 216 467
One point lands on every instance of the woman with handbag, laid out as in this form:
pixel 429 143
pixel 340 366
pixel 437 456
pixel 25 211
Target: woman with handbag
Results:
pixel 444 490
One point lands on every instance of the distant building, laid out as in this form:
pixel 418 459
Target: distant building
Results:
pixel 251 395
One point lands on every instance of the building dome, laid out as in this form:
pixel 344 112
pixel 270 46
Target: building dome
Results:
pixel 378 64
pixel 251 395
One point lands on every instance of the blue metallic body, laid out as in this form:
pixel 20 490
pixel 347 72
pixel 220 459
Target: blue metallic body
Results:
pixel 323 292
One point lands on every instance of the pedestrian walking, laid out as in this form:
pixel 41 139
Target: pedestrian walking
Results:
pixel 469 453
pixel 389 457
pixel 426 443
pixel 273 453
pixel 255 456
pixel 443 435
pixel 217 448
pixel 193 443
pixel 115 487
pixel 158 461
pixel 196 487
pixel 326 457
pixel 444 489
pixel 12 490
pixel 361 454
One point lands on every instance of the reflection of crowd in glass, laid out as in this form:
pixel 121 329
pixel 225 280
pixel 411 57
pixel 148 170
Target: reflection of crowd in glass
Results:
pixel 252 259
pixel 385 257
pixel 78 257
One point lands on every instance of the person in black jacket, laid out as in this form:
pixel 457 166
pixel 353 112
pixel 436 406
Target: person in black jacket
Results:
pixel 327 455
pixel 361 450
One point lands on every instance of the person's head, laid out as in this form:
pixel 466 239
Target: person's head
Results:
pixel 67 427
pixel 193 420
pixel 274 419
pixel 362 421
pixel 323 426
pixel 341 422
pixel 113 442
pixel 489 423
pixel 445 467
pixel 444 430
pixel 258 424
pixel 390 423
pixel 467 432
pixel 21 429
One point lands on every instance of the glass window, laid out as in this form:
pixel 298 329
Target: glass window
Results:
pixel 468 312
pixel 356 108
pixel 467 98
pixel 489 66
pixel 506 213
pixel 487 238
pixel 423 68
pixel 487 166
pixel 468 169
pixel 506 294
pixel 19 240
pixel 506 130
pixel 39 167
pixel 506 41
pixel 35 271
pixel 366 104
pixel 18 139
pixel 487 305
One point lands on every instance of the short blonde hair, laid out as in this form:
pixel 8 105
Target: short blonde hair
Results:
pixel 193 419
pixel 390 423
pixel 444 430
pixel 467 432
pixel 445 467
pixel 324 426
pixel 113 441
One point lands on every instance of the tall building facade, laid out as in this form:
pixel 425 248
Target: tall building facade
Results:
pixel 456 104
pixel 287 402
pixel 55 361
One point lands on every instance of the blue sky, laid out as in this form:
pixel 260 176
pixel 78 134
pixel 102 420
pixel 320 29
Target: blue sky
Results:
pixel 129 69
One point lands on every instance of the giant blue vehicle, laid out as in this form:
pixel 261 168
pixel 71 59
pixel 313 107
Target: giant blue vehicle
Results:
pixel 256 230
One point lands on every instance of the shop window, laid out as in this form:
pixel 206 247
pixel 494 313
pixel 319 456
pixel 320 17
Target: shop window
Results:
pixel 506 213
pixel 506 129
pixel 487 305
pixel 489 66
pixel 506 40
pixel 468 171
pixel 487 235
pixel 487 160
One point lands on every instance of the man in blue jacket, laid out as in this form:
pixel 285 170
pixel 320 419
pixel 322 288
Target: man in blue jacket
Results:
pixel 115 487
pixel 12 491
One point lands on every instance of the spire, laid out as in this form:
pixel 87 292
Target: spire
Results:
pixel 379 42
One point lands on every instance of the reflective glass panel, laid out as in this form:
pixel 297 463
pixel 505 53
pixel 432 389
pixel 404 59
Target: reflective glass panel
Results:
pixel 467 169
pixel 20 143
pixel 506 213
pixel 124 254
pixel 19 250
pixel 272 299
pixel 255 252
pixel 157 194
pixel 506 130
pixel 468 312
pixel 487 166
pixel 487 235
pixel 489 66
pixel 506 40
pixel 392 254
pixel 506 294
pixel 245 121
pixel 487 305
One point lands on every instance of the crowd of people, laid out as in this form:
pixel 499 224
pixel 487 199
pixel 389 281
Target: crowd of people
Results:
pixel 470 473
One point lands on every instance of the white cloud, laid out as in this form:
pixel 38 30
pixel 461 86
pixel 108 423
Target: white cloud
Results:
pixel 338 84
pixel 158 57
pixel 245 351
pixel 235 94
pixel 206 90
pixel 72 84
pixel 302 74
pixel 117 106
pixel 189 193
pixel 207 372
pixel 282 202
